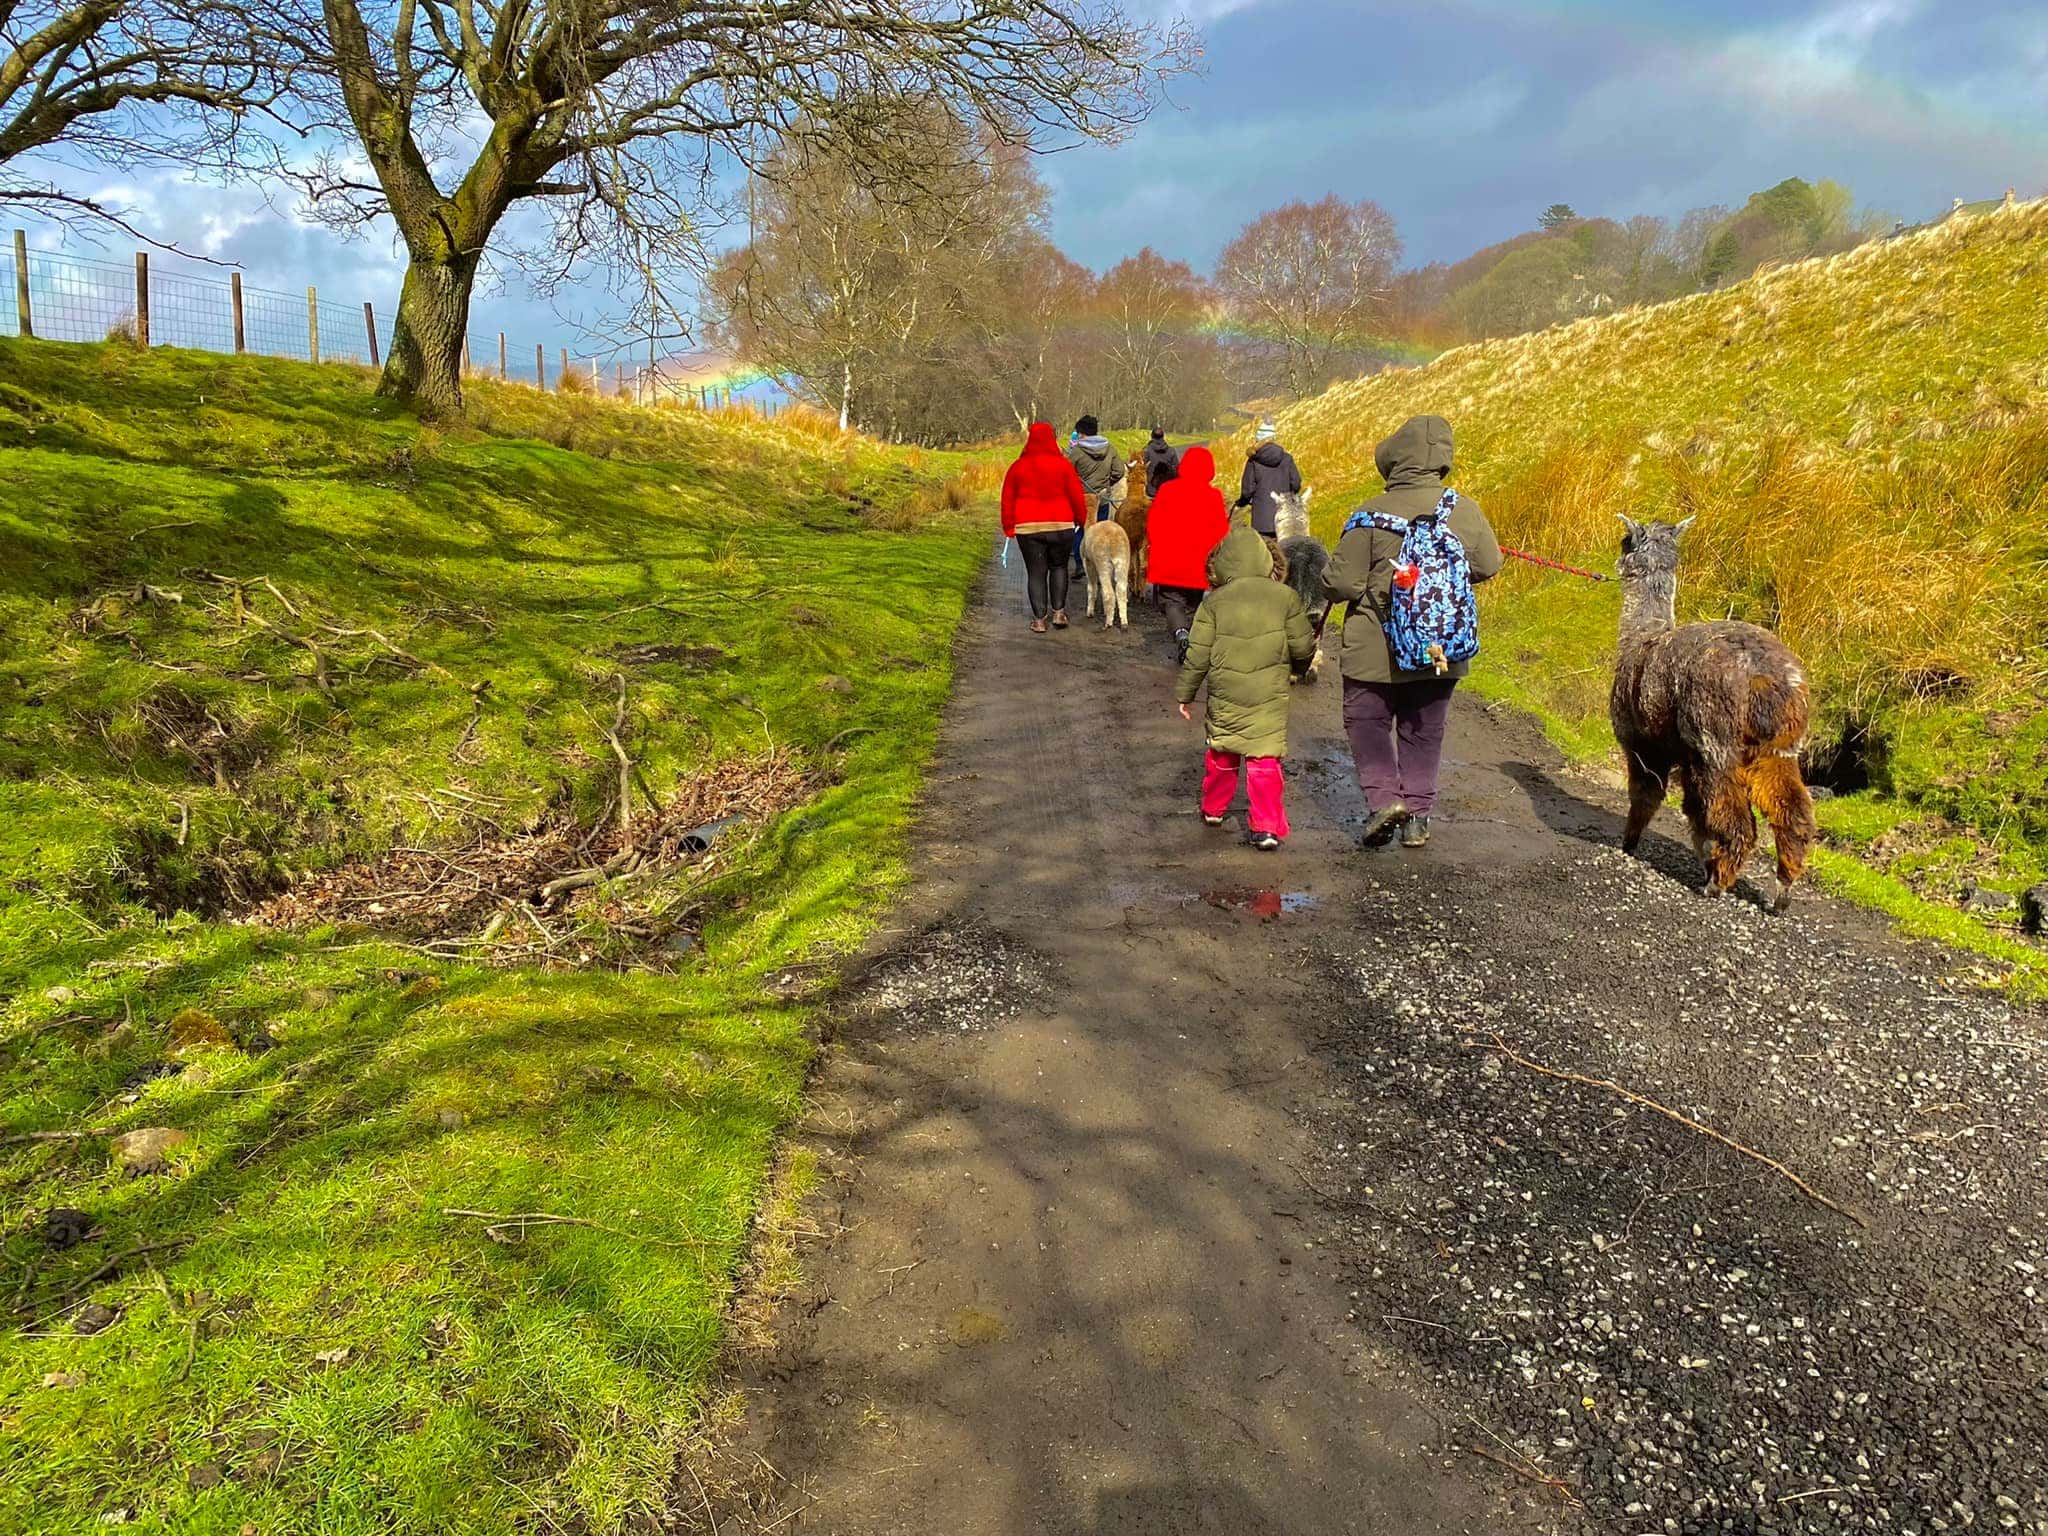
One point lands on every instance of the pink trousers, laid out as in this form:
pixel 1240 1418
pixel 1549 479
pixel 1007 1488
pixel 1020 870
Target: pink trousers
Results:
pixel 1263 782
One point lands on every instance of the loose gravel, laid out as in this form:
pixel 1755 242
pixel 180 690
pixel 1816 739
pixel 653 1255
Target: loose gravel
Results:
pixel 1668 1327
pixel 965 979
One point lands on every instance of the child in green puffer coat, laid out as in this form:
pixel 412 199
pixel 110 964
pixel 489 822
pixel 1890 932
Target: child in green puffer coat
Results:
pixel 1251 636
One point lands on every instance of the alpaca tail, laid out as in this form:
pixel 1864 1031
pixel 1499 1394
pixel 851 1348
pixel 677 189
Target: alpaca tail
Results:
pixel 1777 789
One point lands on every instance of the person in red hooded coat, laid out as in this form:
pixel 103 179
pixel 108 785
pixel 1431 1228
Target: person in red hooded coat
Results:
pixel 1044 510
pixel 1187 521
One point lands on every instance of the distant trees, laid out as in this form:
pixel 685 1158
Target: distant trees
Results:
pixel 874 248
pixel 1315 278
pixel 1556 216
pixel 914 293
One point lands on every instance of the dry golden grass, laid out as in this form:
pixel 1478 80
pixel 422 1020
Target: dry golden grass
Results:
pixel 1864 441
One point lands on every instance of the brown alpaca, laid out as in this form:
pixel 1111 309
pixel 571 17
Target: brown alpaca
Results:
pixel 1132 517
pixel 1724 704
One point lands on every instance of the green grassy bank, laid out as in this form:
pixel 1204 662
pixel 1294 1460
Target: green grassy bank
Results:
pixel 256 626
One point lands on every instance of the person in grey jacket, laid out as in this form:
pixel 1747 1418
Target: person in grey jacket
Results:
pixel 1104 474
pixel 1268 472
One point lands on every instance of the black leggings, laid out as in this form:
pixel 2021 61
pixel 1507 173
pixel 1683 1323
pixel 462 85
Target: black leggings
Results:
pixel 1045 569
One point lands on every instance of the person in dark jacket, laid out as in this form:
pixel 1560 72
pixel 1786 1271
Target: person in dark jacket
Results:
pixel 1044 510
pixel 1184 527
pixel 1251 638
pixel 1396 719
pixel 1104 474
pixel 1161 460
pixel 1268 472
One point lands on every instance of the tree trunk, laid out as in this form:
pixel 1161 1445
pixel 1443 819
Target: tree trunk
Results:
pixel 424 366
pixel 846 397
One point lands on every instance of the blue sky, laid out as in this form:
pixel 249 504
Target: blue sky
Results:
pixel 1464 118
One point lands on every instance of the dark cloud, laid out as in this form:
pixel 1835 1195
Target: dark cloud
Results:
pixel 1467 119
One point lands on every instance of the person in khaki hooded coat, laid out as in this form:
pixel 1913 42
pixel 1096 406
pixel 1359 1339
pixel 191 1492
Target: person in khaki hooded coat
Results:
pixel 1396 719
pixel 1250 636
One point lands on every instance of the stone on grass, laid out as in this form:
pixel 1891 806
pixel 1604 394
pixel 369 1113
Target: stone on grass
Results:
pixel 2034 909
pixel 194 1029
pixel 146 1150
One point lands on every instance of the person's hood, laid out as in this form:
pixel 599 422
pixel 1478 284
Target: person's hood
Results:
pixel 1242 554
pixel 1417 454
pixel 1272 455
pixel 1198 466
pixel 1094 447
pixel 1041 439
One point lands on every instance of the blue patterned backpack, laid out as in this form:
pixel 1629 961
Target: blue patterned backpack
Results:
pixel 1433 618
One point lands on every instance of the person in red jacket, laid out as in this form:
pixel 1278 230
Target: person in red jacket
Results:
pixel 1044 510
pixel 1187 521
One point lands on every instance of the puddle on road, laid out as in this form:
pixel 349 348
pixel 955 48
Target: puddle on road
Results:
pixel 1258 901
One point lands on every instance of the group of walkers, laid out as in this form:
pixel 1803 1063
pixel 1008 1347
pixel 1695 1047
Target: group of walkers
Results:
pixel 1243 634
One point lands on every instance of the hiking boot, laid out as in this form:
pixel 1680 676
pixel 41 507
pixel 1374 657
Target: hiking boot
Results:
pixel 1382 824
pixel 1212 821
pixel 1059 619
pixel 1415 834
pixel 1180 647
pixel 1038 626
pixel 1265 842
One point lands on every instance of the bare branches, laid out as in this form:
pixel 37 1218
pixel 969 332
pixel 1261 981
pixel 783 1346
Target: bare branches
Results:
pixel 122 83
pixel 622 117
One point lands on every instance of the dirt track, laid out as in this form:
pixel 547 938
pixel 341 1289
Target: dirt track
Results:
pixel 1167 1192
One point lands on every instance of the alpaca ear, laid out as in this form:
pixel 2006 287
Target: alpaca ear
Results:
pixel 1308 493
pixel 1635 529
pixel 1680 527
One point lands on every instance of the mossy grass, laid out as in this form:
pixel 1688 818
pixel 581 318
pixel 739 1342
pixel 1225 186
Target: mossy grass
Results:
pixel 255 622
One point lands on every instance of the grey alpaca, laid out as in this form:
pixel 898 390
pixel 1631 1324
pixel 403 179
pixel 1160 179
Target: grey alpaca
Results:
pixel 1304 562
pixel 1724 704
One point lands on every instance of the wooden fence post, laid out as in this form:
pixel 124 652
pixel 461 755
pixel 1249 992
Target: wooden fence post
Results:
pixel 465 356
pixel 619 380
pixel 235 305
pixel 313 323
pixel 142 298
pixel 370 327
pixel 23 320
pixel 540 366
pixel 562 378
pixel 504 368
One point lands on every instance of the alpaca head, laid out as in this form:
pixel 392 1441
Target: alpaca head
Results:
pixel 1649 574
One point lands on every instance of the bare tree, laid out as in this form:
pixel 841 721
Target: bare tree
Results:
pixel 120 83
pixel 1315 277
pixel 873 249
pixel 1147 354
pixel 619 116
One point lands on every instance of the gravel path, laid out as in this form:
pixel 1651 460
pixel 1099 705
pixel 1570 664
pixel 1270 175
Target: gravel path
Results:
pixel 1175 1187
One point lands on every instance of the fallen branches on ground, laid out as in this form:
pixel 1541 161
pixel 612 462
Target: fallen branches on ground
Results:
pixel 1644 1101
pixel 466 898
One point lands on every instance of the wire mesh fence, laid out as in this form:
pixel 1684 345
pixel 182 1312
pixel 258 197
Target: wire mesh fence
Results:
pixel 151 302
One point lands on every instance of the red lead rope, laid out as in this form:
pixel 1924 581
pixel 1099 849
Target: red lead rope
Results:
pixel 1555 565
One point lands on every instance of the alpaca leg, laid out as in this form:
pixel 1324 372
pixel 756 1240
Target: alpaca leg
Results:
pixel 1693 798
pixel 1782 796
pixel 1120 592
pixel 1731 829
pixel 1093 581
pixel 1646 791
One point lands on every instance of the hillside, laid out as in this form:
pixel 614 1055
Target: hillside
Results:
pixel 1864 441
pixel 299 703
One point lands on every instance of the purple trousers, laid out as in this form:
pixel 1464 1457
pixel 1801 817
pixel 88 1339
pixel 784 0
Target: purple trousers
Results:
pixel 1397 739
